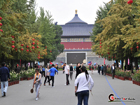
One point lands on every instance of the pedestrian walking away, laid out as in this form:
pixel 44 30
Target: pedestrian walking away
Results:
pixel 4 77
pixel 37 83
pixel 99 68
pixel 102 69
pixel 78 70
pixel 67 72
pixel 92 69
pixel 52 74
pixel 43 71
pixel 82 91
pixel 71 71
pixel 46 75
pixel 105 68
pixel 63 68
pixel 113 71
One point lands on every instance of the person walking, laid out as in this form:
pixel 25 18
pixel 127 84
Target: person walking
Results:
pixel 99 68
pixel 52 74
pixel 63 68
pixel 92 69
pixel 67 72
pixel 105 69
pixel 78 70
pixel 82 91
pixel 102 69
pixel 113 71
pixel 71 71
pixel 37 83
pixel 43 71
pixel 5 77
pixel 74 68
pixel 46 75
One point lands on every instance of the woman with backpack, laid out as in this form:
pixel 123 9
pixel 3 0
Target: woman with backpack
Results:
pixel 82 91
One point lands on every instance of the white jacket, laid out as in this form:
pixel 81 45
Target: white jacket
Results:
pixel 84 84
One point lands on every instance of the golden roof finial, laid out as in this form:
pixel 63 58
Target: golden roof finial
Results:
pixel 75 11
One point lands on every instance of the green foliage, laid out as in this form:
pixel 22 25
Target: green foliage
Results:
pixel 109 71
pixel 118 31
pixel 101 13
pixel 123 73
pixel 27 73
pixel 51 35
pixel 20 20
pixel 14 76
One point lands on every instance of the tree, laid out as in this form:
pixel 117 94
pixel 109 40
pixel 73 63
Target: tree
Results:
pixel 113 33
pixel 51 36
pixel 101 13
pixel 20 26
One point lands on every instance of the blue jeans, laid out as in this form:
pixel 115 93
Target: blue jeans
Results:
pixel 37 87
pixel 83 96
pixel 4 83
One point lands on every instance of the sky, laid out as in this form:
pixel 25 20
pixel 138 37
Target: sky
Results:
pixel 63 11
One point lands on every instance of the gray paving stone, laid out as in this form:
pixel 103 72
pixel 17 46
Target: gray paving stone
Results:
pixel 64 95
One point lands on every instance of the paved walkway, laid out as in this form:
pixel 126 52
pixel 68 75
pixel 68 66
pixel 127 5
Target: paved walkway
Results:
pixel 64 95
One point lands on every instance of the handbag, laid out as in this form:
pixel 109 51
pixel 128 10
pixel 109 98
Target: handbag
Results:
pixel 32 90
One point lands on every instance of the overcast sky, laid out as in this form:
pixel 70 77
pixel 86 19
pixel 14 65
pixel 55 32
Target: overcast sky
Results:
pixel 64 10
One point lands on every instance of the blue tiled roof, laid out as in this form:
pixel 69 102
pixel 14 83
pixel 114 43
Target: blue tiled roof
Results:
pixel 77 27
pixel 76 19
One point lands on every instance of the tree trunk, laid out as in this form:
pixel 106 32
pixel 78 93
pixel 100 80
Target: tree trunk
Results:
pixel 122 64
pixel 117 63
pixel 136 63
pixel 131 61
pixel 2 59
pixel 33 64
pixel 12 64
pixel 126 64
pixel 46 61
pixel 30 64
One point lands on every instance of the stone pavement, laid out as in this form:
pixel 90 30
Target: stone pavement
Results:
pixel 64 95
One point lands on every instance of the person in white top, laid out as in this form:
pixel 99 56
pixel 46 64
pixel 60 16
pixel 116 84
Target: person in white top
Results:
pixel 82 86
pixel 46 75
pixel 67 72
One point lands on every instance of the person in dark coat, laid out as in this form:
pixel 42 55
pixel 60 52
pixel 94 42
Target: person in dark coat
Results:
pixel 99 68
pixel 63 68
pixel 4 77
pixel 71 71
pixel 89 67
pixel 78 70
pixel 102 68
pixel 113 71
pixel 105 69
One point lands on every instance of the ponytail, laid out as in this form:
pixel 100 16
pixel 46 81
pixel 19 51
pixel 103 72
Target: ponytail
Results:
pixel 86 72
pixel 87 75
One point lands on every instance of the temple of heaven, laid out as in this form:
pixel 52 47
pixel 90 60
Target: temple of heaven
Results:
pixel 77 43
